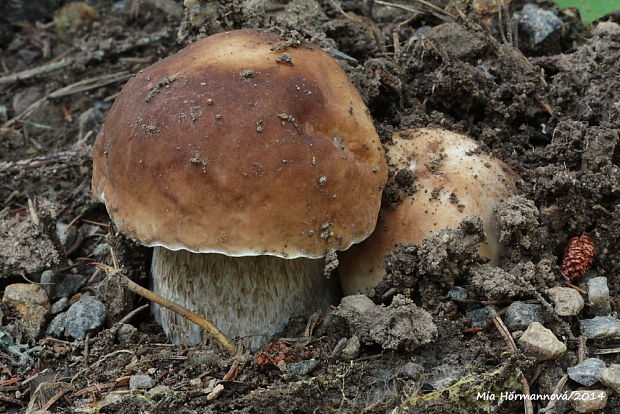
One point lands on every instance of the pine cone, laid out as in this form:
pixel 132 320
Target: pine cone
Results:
pixel 578 257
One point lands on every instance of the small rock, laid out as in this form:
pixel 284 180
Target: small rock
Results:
pixel 66 234
pixel 588 401
pixel 521 315
pixel 101 250
pixel 586 372
pixel 610 377
pixel 126 334
pixel 159 390
pixel 56 328
pixel 140 382
pixel 89 120
pixel 31 303
pixel 48 280
pixel 68 284
pixel 352 349
pixel 18 293
pixel 481 318
pixel 413 370
pixel 606 28
pixel 458 292
pixel 598 296
pixel 87 314
pixel 217 390
pixel 541 342
pixel 60 305
pixel 539 23
pixel 402 325
pixel 568 302
pixel 600 327
pixel 195 382
pixel 303 367
pixel 4 115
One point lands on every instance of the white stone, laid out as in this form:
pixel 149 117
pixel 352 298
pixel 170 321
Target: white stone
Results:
pixel 610 377
pixel 568 302
pixel 541 342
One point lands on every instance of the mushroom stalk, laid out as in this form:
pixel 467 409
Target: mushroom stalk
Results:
pixel 249 297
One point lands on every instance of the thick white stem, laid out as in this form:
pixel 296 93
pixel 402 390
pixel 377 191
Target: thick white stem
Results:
pixel 248 297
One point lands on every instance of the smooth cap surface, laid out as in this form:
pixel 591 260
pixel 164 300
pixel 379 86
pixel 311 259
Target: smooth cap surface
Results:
pixel 231 147
pixel 453 179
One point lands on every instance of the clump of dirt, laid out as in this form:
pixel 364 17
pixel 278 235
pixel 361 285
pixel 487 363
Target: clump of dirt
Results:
pixel 401 325
pixel 435 265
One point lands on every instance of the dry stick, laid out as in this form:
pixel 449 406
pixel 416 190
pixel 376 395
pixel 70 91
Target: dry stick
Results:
pixel 582 348
pixel 556 392
pixel 55 398
pixel 499 324
pixel 441 12
pixel 176 308
pixel 605 351
pixel 133 313
pixel 27 74
pixel 396 36
pixel 81 86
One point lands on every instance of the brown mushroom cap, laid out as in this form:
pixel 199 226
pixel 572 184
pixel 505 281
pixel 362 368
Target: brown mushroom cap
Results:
pixel 452 180
pixel 231 147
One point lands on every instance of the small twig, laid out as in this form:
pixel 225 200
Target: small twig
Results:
pixel 176 308
pixel 582 348
pixel 55 398
pixel 27 74
pixel 442 12
pixel 556 392
pixel 133 313
pixel 396 36
pixel 499 324
pixel 577 288
pixel 86 350
pixel 232 372
pixel 605 351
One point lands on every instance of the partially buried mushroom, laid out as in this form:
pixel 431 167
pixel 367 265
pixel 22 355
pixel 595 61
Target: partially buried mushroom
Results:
pixel 243 159
pixel 440 177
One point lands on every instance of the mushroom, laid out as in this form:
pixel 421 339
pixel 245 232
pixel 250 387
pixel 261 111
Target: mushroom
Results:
pixel 442 177
pixel 243 159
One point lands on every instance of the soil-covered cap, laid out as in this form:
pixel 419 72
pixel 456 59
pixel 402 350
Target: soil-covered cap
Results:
pixel 244 145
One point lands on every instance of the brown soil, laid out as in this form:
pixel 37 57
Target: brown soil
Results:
pixel 550 111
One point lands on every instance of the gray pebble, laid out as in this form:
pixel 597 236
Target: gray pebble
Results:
pixel 585 373
pixel 140 382
pixel 458 292
pixel 521 315
pixel 539 23
pixel 481 318
pixel 101 250
pixel 4 115
pixel 67 284
pixel 56 328
pixel 126 334
pixel 598 296
pixel 60 305
pixel 600 327
pixel 87 314
pixel 303 367
pixel 352 349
